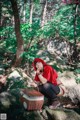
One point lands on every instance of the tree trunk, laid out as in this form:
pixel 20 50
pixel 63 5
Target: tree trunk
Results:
pixel 0 15
pixel 31 10
pixel 74 58
pixel 75 53
pixel 43 15
pixel 20 43
pixel 0 12
pixel 24 11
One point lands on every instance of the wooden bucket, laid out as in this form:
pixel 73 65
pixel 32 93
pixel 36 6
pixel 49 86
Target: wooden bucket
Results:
pixel 32 99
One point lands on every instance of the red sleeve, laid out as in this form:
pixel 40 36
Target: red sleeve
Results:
pixel 36 78
pixel 47 73
pixel 50 74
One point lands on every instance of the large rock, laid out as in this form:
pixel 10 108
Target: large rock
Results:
pixel 15 74
pixel 73 89
pixel 62 114
pixel 6 99
pixel 34 115
pixel 60 49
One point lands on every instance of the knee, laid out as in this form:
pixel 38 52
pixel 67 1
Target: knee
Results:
pixel 46 85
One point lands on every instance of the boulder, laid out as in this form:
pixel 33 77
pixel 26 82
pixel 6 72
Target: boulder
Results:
pixel 62 114
pixel 73 89
pixel 6 100
pixel 15 74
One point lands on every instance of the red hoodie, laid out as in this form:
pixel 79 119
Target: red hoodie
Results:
pixel 49 73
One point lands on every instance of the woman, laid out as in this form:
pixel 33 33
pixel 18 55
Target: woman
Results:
pixel 46 80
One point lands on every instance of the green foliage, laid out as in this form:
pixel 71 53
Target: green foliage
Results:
pixel 15 80
pixel 63 24
pixel 29 31
pixel 30 34
pixel 77 71
pixel 57 68
pixel 8 35
pixel 30 54
pixel 78 79
pixel 13 83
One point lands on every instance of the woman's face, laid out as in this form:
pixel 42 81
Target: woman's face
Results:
pixel 39 66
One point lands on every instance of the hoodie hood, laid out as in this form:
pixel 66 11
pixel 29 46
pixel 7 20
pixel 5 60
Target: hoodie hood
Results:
pixel 38 60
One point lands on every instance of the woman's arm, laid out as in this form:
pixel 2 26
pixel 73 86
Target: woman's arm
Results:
pixel 42 79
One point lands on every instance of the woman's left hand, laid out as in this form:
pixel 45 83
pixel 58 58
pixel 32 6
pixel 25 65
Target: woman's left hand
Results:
pixel 38 72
